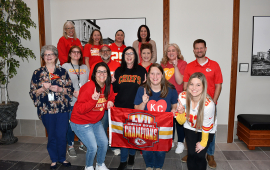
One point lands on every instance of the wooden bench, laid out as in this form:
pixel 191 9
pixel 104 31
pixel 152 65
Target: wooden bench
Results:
pixel 254 130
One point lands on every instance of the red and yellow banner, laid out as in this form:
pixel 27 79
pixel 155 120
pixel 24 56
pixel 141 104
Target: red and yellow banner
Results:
pixel 140 129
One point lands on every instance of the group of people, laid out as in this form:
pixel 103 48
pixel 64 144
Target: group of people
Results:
pixel 75 97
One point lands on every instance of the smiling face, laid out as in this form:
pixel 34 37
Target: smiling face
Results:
pixel 49 57
pixel 101 75
pixel 155 76
pixel 195 87
pixel 75 54
pixel 70 30
pixel 96 37
pixel 119 37
pixel 171 53
pixel 129 57
pixel 146 55
pixel 199 50
pixel 143 33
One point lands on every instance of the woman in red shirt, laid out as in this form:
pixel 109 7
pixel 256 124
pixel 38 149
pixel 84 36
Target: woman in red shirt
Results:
pixel 68 40
pixel 91 49
pixel 146 53
pixel 174 66
pixel 118 46
pixel 95 96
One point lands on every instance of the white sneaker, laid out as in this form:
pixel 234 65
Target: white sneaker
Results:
pixel 116 152
pixel 180 148
pixel 172 144
pixel 89 168
pixel 102 167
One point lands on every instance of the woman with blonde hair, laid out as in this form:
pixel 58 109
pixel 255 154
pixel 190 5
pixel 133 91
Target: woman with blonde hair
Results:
pixel 174 66
pixel 68 40
pixel 91 49
pixel 196 110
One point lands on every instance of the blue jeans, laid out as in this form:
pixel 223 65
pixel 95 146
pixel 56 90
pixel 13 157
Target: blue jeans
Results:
pixel 211 148
pixel 125 152
pixel 56 126
pixel 95 139
pixel 70 133
pixel 154 158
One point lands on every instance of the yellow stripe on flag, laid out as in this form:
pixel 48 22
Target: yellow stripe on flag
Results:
pixel 117 127
pixel 165 132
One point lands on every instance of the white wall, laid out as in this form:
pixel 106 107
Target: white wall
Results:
pixel 92 9
pixel 212 21
pixel 20 85
pixel 252 95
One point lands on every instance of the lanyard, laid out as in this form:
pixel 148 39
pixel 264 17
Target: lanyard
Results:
pixel 77 73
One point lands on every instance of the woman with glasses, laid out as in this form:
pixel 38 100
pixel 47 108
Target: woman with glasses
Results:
pixel 118 46
pixel 91 49
pixel 95 96
pixel 78 73
pixel 126 89
pixel 68 40
pixel 51 91
pixel 143 35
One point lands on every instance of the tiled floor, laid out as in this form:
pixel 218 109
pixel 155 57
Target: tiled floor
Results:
pixel 30 153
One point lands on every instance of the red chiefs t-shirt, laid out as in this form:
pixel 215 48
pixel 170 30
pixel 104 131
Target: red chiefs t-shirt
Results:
pixel 146 68
pixel 211 70
pixel 113 65
pixel 169 73
pixel 92 51
pixel 117 52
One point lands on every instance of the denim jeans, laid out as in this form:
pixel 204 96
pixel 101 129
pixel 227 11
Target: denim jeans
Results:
pixel 95 139
pixel 125 152
pixel 57 126
pixel 70 133
pixel 154 158
pixel 211 148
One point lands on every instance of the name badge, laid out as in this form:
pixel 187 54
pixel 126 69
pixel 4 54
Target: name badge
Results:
pixel 51 96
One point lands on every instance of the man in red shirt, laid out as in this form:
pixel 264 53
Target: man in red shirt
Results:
pixel 213 75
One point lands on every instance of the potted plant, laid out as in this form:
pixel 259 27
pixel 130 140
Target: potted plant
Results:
pixel 15 22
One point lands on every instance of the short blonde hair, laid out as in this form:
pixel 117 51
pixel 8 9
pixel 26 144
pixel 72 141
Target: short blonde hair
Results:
pixel 64 29
pixel 165 59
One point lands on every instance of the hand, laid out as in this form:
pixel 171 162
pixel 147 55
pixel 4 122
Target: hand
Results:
pixel 180 107
pixel 46 86
pixel 173 111
pixel 76 94
pixel 56 88
pixel 175 62
pixel 144 78
pixel 113 78
pixel 199 147
pixel 145 97
pixel 96 95
pixel 109 104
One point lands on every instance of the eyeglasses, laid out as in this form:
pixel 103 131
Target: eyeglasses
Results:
pixel 131 53
pixel 71 28
pixel 48 55
pixel 75 52
pixel 101 72
pixel 105 51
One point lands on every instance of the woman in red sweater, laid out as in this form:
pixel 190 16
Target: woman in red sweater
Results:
pixel 68 40
pixel 91 49
pixel 95 96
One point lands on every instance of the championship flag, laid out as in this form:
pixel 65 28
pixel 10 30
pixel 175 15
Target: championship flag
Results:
pixel 140 129
pixel 53 76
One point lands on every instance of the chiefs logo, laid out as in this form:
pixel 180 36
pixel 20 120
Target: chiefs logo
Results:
pixel 139 141
pixel 208 70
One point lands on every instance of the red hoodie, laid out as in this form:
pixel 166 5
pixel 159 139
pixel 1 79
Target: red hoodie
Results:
pixel 86 110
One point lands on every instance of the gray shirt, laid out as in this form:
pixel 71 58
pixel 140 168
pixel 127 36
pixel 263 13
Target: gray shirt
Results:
pixel 83 75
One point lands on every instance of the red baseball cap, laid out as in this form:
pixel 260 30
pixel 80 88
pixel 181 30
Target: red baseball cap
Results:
pixel 104 45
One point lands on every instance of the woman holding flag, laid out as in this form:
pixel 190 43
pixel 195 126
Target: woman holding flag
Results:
pixel 197 112
pixel 51 91
pixel 159 91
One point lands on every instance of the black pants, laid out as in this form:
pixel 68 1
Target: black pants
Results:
pixel 196 161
